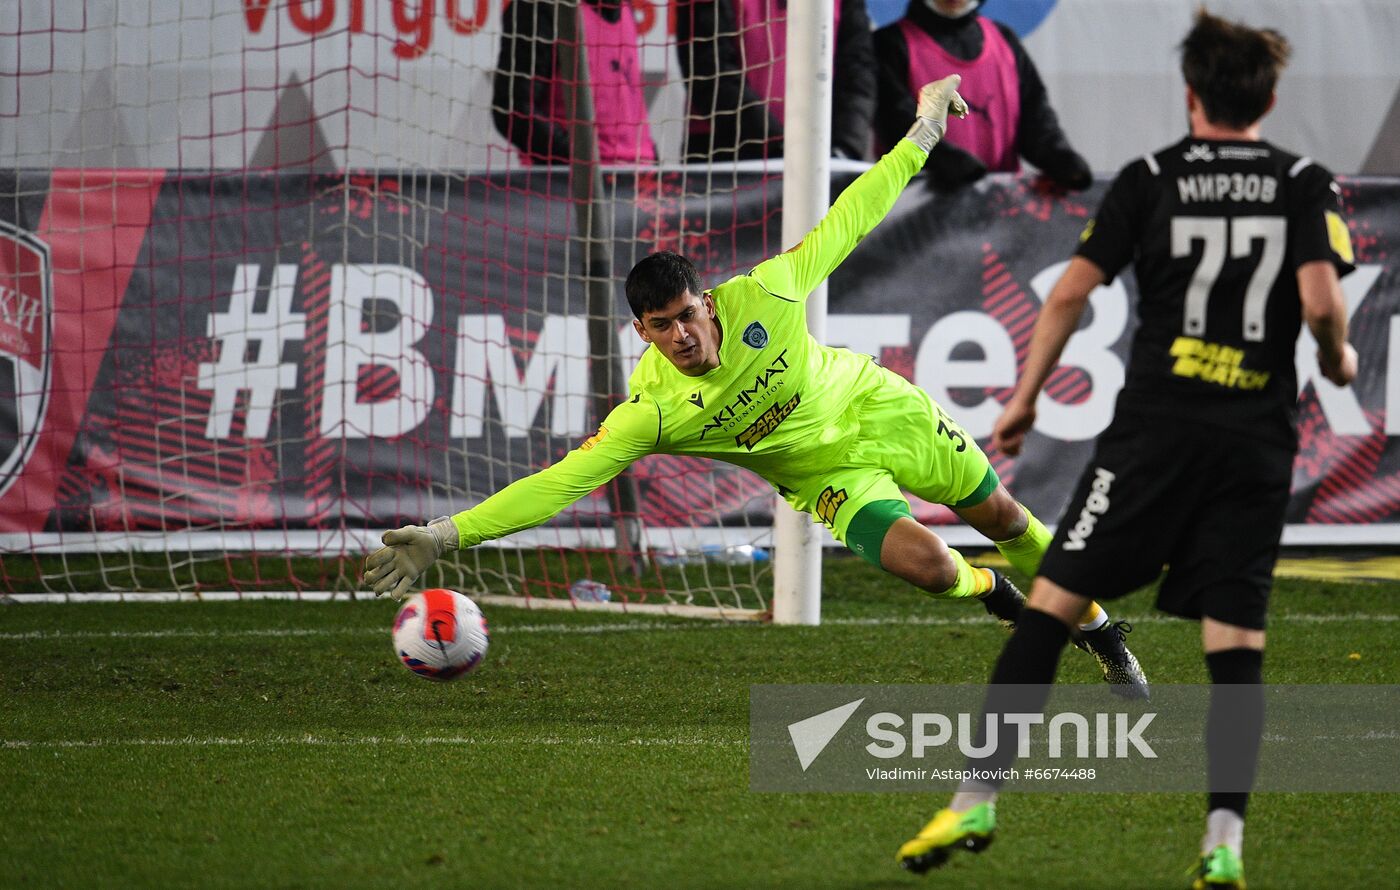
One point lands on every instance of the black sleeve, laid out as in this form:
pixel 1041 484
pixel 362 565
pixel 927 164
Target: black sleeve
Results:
pixel 950 167
pixel 853 87
pixel 1039 138
pixel 1110 239
pixel 1317 230
pixel 707 46
pixel 520 87
pixel 894 104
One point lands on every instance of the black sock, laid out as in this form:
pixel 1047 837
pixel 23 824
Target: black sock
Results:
pixel 1021 680
pixel 1033 653
pixel 1234 726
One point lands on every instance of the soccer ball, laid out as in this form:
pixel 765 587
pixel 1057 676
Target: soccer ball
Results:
pixel 440 634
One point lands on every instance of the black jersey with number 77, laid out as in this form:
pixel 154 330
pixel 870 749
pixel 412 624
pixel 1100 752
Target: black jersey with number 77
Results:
pixel 1216 230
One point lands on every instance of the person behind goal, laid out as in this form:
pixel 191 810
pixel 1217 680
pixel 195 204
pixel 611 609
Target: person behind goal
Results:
pixel 1235 243
pixel 732 374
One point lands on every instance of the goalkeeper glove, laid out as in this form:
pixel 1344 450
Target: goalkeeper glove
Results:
pixel 935 101
pixel 406 554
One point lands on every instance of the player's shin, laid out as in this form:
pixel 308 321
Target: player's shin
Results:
pixel 1032 655
pixel 1025 550
pixel 1002 600
pixel 971 581
pixel 1234 727
pixel 1020 684
pixel 1024 553
pixel 992 589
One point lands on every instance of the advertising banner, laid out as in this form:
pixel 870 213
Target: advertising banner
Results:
pixel 244 353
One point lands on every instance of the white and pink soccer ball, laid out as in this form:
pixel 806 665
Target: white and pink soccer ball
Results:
pixel 440 634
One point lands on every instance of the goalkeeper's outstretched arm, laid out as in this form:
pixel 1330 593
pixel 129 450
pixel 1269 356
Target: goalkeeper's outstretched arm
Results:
pixel 794 275
pixel 630 431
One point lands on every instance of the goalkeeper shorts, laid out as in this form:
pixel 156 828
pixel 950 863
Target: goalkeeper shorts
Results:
pixel 908 443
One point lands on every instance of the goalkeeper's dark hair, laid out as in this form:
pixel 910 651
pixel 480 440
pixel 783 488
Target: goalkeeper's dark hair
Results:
pixel 659 279
pixel 1232 68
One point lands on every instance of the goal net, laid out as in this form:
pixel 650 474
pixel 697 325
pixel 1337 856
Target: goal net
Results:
pixel 277 275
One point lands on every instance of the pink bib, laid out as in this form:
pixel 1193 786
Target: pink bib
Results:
pixel 763 36
pixel 990 85
pixel 615 73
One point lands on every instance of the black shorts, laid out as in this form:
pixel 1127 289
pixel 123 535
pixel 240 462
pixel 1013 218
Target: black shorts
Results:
pixel 1206 503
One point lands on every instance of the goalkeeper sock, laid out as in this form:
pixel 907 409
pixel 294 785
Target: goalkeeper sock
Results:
pixel 971 581
pixel 1025 550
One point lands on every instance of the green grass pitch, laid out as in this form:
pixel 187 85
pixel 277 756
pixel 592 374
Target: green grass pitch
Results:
pixel 276 744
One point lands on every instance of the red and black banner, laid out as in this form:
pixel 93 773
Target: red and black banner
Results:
pixel 233 352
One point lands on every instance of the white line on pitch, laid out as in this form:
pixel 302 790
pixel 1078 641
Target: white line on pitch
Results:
pixel 925 621
pixel 404 741
pixel 1284 617
pixel 280 632
pixel 511 741
pixel 627 627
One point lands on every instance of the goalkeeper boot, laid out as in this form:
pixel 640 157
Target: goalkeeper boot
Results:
pixel 1004 602
pixel 1120 667
pixel 971 830
pixel 1220 869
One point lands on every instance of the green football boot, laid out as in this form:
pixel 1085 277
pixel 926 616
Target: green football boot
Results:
pixel 1220 869
pixel 949 831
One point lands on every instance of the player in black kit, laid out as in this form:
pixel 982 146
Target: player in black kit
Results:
pixel 1234 243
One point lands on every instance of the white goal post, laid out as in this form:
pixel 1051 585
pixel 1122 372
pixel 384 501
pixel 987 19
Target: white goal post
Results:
pixel 797 556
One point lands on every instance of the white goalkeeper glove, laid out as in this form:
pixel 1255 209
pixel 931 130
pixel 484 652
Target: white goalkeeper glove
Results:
pixel 936 100
pixel 406 554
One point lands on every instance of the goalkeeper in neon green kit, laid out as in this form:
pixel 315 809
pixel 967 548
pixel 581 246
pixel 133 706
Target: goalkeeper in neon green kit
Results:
pixel 732 374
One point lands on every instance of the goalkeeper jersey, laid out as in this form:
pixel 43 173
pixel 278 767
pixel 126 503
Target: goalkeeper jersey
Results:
pixel 779 404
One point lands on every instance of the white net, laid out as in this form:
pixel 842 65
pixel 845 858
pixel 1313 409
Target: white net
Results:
pixel 309 269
